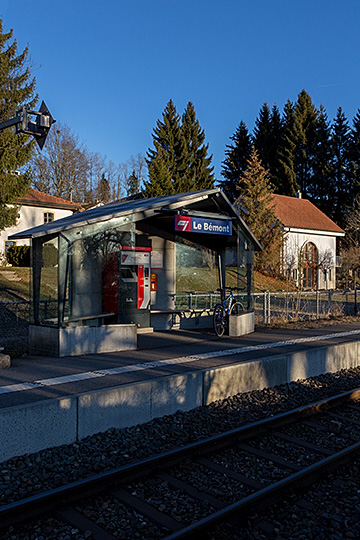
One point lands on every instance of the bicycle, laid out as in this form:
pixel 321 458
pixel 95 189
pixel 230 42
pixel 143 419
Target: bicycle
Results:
pixel 228 306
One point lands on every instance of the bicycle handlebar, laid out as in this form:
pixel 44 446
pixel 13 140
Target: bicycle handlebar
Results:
pixel 232 289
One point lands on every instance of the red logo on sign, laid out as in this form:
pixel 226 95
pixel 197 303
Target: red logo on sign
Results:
pixel 183 223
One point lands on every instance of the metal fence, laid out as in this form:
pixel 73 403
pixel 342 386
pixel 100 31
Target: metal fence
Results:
pixel 268 306
pixel 288 306
pixel 304 305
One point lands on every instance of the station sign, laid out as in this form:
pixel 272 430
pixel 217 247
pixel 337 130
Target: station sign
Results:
pixel 203 225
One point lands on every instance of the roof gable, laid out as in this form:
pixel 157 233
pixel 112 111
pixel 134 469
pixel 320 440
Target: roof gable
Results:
pixel 302 214
pixel 38 198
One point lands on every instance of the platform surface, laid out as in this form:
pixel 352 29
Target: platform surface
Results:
pixel 159 354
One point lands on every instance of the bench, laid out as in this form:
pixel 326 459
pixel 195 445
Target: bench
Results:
pixel 94 316
pixel 185 310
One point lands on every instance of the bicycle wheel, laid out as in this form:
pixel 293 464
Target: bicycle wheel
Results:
pixel 236 308
pixel 219 320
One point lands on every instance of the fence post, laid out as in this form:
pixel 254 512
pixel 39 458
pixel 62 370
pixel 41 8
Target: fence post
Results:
pixel 355 300
pixel 266 307
pixel 317 303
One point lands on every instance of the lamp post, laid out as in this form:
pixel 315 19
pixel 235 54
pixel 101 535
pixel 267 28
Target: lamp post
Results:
pixel 39 128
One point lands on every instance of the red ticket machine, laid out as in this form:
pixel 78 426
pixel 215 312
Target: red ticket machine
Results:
pixel 126 285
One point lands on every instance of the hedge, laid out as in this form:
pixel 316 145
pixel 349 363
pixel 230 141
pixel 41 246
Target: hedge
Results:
pixel 20 255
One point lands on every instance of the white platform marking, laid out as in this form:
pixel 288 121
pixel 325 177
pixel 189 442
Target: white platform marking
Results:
pixel 20 387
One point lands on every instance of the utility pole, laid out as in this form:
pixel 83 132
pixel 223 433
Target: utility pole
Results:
pixel 38 129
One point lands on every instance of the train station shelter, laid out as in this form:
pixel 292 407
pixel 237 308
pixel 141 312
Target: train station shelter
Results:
pixel 101 276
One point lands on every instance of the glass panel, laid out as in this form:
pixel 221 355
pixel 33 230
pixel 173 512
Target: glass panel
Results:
pixel 93 287
pixel 69 278
pixel 239 271
pixel 197 276
pixel 48 285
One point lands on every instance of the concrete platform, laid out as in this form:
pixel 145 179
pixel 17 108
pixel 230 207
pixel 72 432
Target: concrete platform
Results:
pixel 47 402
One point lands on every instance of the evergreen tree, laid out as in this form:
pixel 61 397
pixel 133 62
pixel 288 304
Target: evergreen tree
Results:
pixel 179 161
pixel 16 88
pixel 300 145
pixel 354 153
pixel 262 136
pixel 163 160
pixel 285 182
pixel 304 136
pixel 196 171
pixel 160 182
pixel 341 188
pixel 268 139
pixel 256 207
pixel 132 185
pixel 103 190
pixel 321 187
pixel 235 163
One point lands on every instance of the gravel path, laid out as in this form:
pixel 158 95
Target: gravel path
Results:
pixel 332 509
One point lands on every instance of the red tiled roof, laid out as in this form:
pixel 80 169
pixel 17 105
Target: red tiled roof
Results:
pixel 39 198
pixel 302 214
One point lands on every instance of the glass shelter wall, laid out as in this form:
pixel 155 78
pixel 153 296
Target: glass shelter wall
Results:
pixel 44 293
pixel 98 274
pixel 84 286
pixel 239 271
pixel 202 271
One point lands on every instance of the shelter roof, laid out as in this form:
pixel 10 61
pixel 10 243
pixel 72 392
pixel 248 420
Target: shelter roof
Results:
pixel 212 202
pixel 300 213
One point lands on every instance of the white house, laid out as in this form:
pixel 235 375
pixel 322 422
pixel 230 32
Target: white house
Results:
pixel 36 208
pixel 309 251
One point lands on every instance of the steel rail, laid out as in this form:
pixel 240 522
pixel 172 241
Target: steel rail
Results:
pixel 45 502
pixel 267 494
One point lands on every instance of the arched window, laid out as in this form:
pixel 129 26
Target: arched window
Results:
pixel 309 264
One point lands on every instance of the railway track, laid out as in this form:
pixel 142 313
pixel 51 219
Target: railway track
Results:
pixel 189 491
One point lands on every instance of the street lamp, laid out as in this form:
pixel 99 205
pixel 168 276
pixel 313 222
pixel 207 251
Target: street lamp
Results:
pixel 39 128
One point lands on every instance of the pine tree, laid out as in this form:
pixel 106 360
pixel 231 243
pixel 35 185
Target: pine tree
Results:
pixel 103 190
pixel 268 139
pixel 132 185
pixel 354 153
pixel 341 192
pixel 235 163
pixel 304 135
pixel 300 146
pixel 195 167
pixel 321 188
pixel 16 88
pixel 285 182
pixel 160 177
pixel 256 206
pixel 180 162
pixel 262 136
pixel 163 161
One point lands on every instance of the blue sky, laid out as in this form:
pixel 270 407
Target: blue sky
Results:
pixel 108 68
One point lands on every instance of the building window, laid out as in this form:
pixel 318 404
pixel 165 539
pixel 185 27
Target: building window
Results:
pixel 310 260
pixel 48 217
pixel 9 243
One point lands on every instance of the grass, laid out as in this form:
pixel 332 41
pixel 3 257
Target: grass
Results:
pixel 191 279
pixel 14 290
pixel 20 290
pixel 267 283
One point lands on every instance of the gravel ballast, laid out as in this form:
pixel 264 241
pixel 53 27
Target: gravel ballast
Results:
pixel 337 497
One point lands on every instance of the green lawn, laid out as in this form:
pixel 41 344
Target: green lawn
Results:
pixel 15 283
pixel 190 279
